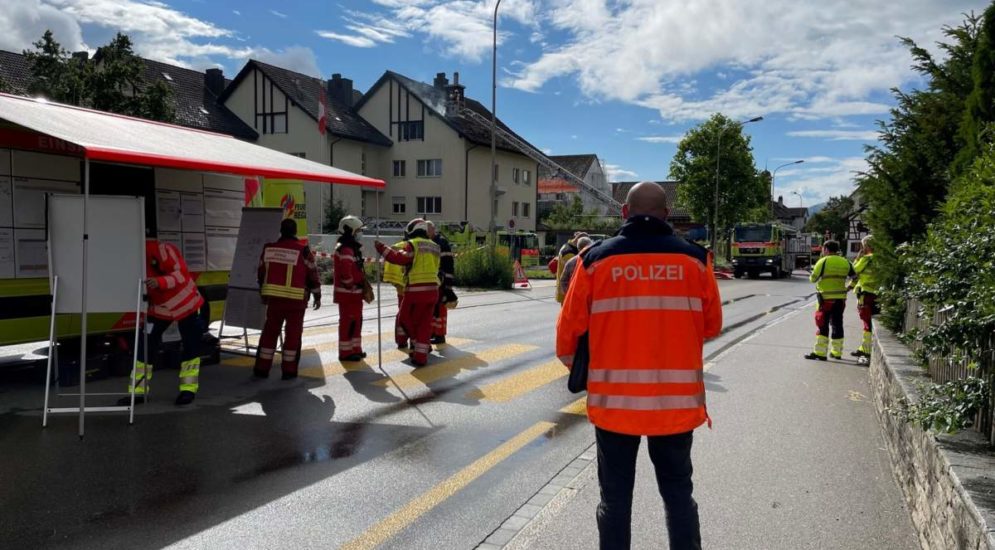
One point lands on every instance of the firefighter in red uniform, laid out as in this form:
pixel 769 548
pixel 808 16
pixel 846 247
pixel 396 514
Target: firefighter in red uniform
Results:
pixel 173 297
pixel 287 276
pixel 422 291
pixel 350 282
pixel 447 278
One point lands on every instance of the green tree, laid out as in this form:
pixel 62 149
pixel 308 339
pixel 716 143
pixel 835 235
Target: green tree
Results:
pixel 979 111
pixel 909 173
pixel 835 218
pixel 741 190
pixel 334 212
pixel 55 74
pixel 571 215
pixel 116 84
pixel 157 102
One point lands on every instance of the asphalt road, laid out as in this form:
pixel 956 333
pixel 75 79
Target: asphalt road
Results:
pixel 438 457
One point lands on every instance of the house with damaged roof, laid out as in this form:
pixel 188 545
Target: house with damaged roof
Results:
pixel 555 187
pixel 440 161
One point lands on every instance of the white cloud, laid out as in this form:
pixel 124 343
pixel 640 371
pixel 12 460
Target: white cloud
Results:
pixel 829 177
pixel 278 14
pixel 837 135
pixel 617 173
pixel 661 139
pixel 23 22
pixel 460 28
pixel 295 58
pixel 236 12
pixel 157 30
pixel 356 41
pixel 808 60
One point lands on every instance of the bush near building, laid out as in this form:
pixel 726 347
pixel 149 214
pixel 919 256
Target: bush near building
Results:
pixel 485 268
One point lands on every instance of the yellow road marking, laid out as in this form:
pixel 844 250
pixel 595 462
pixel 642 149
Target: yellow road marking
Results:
pixel 448 368
pixel 578 407
pixel 514 386
pixel 399 520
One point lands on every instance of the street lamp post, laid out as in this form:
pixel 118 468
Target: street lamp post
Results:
pixel 799 198
pixel 718 156
pixel 774 175
pixel 493 227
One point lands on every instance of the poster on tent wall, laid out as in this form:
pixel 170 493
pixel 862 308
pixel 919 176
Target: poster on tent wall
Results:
pixel 288 195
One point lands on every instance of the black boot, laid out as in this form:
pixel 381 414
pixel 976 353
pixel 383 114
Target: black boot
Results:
pixel 185 398
pixel 126 401
pixel 438 340
pixel 813 357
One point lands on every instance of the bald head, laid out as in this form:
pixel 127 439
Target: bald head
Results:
pixel 646 199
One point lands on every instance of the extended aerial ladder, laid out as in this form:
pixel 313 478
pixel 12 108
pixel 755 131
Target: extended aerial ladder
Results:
pixel 614 207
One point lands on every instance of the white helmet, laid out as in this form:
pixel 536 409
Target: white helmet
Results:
pixel 416 225
pixel 353 223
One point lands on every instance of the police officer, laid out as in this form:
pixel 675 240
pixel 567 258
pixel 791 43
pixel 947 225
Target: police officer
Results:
pixel 350 283
pixel 421 255
pixel 647 300
pixel 447 278
pixel 829 275
pixel 173 297
pixel 866 287
pixel 288 275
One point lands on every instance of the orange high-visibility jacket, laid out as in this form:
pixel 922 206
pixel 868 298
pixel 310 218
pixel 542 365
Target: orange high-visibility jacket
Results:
pixel 177 295
pixel 648 301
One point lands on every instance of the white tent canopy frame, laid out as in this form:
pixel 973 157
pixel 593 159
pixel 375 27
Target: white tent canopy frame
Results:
pixel 121 139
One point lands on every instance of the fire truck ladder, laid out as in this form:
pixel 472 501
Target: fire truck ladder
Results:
pixel 614 207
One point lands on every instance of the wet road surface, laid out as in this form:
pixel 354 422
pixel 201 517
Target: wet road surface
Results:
pixel 345 456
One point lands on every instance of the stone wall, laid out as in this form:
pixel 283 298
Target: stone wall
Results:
pixel 948 481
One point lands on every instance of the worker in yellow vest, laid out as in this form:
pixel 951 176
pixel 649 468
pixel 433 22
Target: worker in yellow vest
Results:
pixel 567 251
pixel 866 288
pixel 829 275
pixel 396 275
pixel 421 255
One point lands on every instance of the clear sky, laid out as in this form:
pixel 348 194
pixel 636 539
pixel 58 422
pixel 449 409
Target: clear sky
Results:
pixel 622 79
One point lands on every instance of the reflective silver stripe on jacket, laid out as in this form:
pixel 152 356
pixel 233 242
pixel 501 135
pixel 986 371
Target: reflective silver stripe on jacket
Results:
pixel 645 403
pixel 646 376
pixel 658 303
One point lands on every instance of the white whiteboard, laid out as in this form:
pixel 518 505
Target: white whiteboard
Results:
pixel 115 251
pixel 259 226
pixel 243 307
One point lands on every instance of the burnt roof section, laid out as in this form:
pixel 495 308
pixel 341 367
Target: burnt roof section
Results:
pixel 15 71
pixel 343 120
pixel 435 99
pixel 196 106
pixel 578 165
pixel 783 212
pixel 621 188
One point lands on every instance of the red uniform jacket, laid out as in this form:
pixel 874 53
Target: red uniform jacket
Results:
pixel 349 275
pixel 177 295
pixel 288 272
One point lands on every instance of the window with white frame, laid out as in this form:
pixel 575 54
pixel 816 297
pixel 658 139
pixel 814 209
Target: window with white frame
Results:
pixel 430 168
pixel 514 209
pixel 399 168
pixel 526 177
pixel 429 205
pixel 400 205
pixel 411 131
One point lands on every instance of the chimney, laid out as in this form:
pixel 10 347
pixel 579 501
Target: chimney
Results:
pixel 454 97
pixel 340 89
pixel 214 80
pixel 780 200
pixel 440 81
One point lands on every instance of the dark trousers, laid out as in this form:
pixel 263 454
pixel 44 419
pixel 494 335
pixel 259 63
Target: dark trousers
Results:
pixel 190 332
pixel 830 313
pixel 671 456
